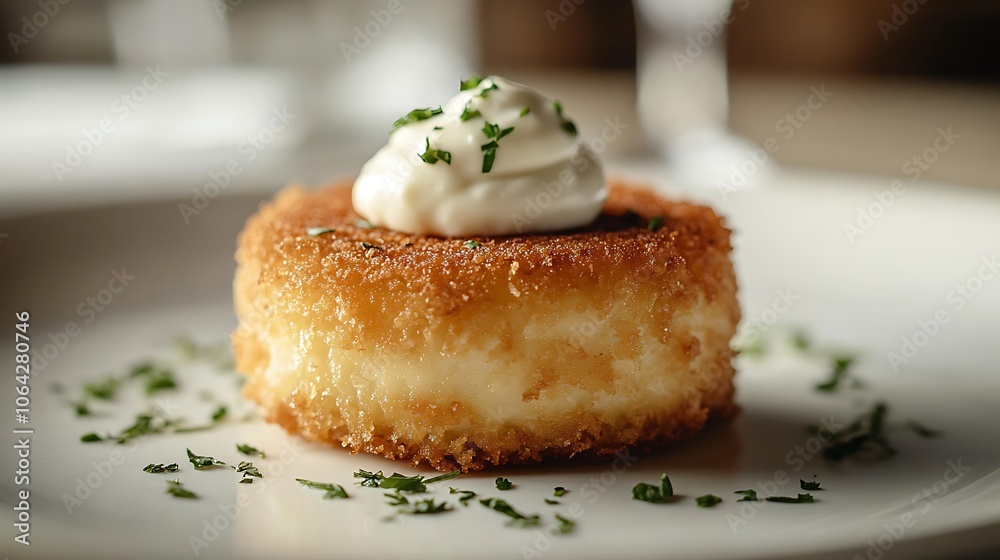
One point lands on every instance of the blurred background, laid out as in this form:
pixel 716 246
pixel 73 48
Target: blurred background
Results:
pixel 121 99
pixel 826 103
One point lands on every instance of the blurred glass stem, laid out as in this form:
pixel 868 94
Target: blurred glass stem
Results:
pixel 169 32
pixel 683 94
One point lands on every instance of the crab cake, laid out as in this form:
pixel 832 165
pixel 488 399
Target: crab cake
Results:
pixel 485 351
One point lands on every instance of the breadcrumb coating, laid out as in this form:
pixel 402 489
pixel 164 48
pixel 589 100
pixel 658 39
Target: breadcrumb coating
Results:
pixel 486 351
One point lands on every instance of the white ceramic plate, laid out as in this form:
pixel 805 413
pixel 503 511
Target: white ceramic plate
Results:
pixel 937 497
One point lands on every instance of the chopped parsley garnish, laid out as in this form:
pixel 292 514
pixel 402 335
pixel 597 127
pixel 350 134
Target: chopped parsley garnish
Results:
pixel 144 368
pixel 708 500
pixel 466 495
pixel 425 507
pixel 397 481
pixel 332 490
pixel 413 116
pixel 404 483
pixel 756 349
pixel 923 431
pixel 219 414
pixel 175 489
pixel 432 156
pixel 489 155
pixel 814 485
pixel 470 82
pixel 248 469
pixel 202 462
pixel 646 492
pixel 486 90
pixel 566 525
pixel 492 131
pixel 655 223
pixel 749 495
pixel 666 487
pixel 90 438
pixel 862 438
pixel 418 507
pixel 471 244
pixel 564 123
pixel 800 340
pixel 469 113
pixel 559 491
pixel 369 479
pixel 800 499
pixel 503 483
pixel 160 380
pixel 363 224
pixel 144 425
pixel 250 450
pixel 160 468
pixel 366 246
pixel 103 390
pixel 189 429
pixel 317 231
pixel 187 347
pixel 841 368
pixel 396 498
pixel 218 355
pixel 517 519
pixel 444 476
pixel 81 408
pixel 651 493
pixel 552 502
pixel 525 111
pixel 246 480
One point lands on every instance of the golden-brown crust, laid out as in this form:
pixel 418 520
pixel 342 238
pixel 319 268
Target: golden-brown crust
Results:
pixel 372 292
pixel 380 258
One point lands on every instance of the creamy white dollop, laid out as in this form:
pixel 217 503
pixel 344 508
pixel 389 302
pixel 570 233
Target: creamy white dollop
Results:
pixel 543 177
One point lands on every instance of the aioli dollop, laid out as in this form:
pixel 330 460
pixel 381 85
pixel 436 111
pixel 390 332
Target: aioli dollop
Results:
pixel 433 177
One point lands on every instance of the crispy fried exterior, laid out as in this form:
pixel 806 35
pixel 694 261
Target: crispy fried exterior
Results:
pixel 511 351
